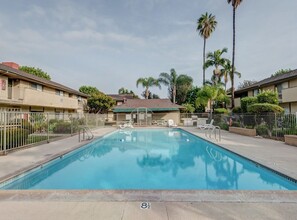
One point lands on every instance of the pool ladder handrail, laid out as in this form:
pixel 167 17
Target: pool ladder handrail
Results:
pixel 86 133
pixel 213 129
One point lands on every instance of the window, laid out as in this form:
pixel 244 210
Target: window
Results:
pixel 59 92
pixel 36 87
pixel 79 98
pixel 256 92
pixel 280 88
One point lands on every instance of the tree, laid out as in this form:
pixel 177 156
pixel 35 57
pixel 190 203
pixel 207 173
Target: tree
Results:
pixel 146 83
pixel 178 85
pixel 226 73
pixel 98 102
pixel 35 71
pixel 150 96
pixel 184 85
pixel 216 60
pixel 169 80
pixel 246 83
pixel 126 91
pixel 206 24
pixel 123 91
pixel 192 95
pixel 235 4
pixel 189 108
pixel 89 90
pixel 281 72
pixel 211 94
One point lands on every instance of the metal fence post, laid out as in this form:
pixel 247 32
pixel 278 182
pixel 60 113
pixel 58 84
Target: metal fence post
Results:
pixel 4 132
pixel 48 128
pixel 71 127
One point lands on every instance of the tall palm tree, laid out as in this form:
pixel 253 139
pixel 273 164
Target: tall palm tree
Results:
pixel 235 4
pixel 226 73
pixel 206 24
pixel 146 83
pixel 216 60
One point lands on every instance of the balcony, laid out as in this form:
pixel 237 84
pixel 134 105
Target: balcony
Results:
pixel 37 98
pixel 289 95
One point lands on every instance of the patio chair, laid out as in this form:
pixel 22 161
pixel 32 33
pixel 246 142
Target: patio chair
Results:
pixel 126 125
pixel 206 126
pixel 171 123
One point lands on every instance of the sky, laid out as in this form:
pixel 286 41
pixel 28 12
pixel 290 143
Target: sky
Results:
pixel 109 44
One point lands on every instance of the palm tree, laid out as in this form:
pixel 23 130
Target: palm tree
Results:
pixel 206 24
pixel 216 60
pixel 226 73
pixel 146 83
pixel 235 4
pixel 169 80
pixel 177 84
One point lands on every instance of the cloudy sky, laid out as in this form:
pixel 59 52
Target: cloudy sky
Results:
pixel 111 43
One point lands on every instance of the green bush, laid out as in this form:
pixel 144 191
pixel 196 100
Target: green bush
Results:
pixel 223 126
pixel 221 111
pixel 247 101
pixel 62 127
pixel 281 133
pixel 264 108
pixel 268 96
pixel 262 130
pixel 237 110
pixel 235 124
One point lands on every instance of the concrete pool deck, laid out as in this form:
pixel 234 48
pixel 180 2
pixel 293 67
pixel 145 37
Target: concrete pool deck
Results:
pixel 108 204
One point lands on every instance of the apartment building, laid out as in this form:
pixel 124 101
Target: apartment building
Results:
pixel 285 85
pixel 20 91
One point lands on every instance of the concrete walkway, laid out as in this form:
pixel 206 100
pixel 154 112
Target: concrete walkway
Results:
pixel 98 204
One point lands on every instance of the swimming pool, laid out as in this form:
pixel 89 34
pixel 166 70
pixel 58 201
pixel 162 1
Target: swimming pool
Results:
pixel 143 159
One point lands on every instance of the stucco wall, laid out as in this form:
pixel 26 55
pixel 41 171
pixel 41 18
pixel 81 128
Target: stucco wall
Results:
pixel 268 88
pixel 293 83
pixel 293 107
pixel 250 93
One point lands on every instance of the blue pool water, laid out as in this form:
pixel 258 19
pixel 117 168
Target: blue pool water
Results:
pixel 151 159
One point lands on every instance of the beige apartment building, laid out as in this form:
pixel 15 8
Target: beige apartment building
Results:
pixel 20 91
pixel 285 85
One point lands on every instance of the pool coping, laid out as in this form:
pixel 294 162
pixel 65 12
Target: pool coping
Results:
pixel 251 196
pixel 217 196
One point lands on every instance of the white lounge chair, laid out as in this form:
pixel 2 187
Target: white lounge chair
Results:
pixel 171 123
pixel 126 125
pixel 206 126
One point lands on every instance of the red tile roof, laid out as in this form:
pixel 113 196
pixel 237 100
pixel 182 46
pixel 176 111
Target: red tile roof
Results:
pixel 152 104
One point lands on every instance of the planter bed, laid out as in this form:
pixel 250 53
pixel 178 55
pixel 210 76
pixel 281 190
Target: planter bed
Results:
pixel 243 131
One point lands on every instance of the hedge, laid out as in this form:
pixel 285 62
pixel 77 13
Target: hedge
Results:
pixel 264 108
pixel 268 96
pixel 220 111
pixel 247 101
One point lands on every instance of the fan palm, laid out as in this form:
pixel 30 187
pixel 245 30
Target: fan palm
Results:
pixel 227 72
pixel 147 83
pixel 235 4
pixel 206 24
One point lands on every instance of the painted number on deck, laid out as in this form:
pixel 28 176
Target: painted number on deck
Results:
pixel 145 205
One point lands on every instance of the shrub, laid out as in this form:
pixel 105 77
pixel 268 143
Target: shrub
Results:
pixel 62 127
pixel 264 108
pixel 268 96
pixel 237 110
pixel 223 126
pixel 221 111
pixel 247 101
pixel 262 130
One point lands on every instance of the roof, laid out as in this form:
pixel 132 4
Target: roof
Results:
pixel 18 74
pixel 151 104
pixel 120 97
pixel 270 81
